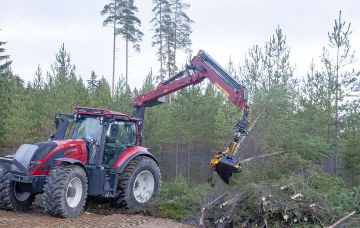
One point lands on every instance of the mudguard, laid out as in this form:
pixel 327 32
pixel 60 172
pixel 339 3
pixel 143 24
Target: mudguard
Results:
pixel 128 155
pixel 71 161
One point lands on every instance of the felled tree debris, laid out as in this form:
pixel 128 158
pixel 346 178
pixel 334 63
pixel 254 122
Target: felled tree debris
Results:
pixel 209 206
pixel 297 197
pixel 343 219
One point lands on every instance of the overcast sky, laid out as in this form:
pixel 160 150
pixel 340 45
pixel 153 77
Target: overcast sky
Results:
pixel 35 29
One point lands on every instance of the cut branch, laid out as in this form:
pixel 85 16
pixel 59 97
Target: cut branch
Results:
pixel 264 156
pixel 209 206
pixel 226 218
pixel 342 220
pixel 235 199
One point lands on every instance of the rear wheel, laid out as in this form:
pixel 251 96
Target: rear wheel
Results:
pixel 139 182
pixel 65 191
pixel 12 196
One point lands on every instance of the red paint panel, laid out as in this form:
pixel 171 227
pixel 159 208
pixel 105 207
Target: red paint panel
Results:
pixel 74 148
pixel 127 154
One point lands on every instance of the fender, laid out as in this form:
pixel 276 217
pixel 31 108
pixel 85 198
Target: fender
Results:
pixel 66 161
pixel 128 155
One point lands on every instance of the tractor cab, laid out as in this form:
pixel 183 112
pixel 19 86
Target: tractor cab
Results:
pixel 107 133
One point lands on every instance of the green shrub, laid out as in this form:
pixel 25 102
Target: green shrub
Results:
pixel 179 200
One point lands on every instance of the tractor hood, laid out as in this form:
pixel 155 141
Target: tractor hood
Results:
pixel 32 152
pixel 43 155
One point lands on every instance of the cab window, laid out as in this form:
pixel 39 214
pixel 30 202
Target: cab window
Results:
pixel 122 133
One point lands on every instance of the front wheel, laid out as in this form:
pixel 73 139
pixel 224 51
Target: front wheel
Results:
pixel 65 191
pixel 139 182
pixel 12 196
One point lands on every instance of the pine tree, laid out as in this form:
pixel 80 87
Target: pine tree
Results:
pixel 276 61
pixel 112 12
pixel 38 83
pixel 172 30
pixel 123 98
pixel 181 27
pixel 160 22
pixel 252 69
pixel 121 13
pixel 351 136
pixel 102 94
pixel 129 28
pixel 341 81
pixel 313 102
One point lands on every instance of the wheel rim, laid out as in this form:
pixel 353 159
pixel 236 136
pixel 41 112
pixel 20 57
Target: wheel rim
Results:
pixel 74 192
pixel 20 195
pixel 144 185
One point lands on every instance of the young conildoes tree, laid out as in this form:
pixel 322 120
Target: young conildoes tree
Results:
pixel 4 68
pixel 342 79
pixel 4 59
pixel 276 61
pixel 251 71
pixel 313 102
pixel 351 135
pixel 92 83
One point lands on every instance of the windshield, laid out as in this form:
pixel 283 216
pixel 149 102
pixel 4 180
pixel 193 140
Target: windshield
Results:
pixel 121 133
pixel 87 127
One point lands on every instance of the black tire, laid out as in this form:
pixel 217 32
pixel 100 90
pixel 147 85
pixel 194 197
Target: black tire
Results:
pixel 12 197
pixel 127 179
pixel 57 187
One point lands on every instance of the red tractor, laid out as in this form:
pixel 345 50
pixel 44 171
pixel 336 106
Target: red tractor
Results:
pixel 100 154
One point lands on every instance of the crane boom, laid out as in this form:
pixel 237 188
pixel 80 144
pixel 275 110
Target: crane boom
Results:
pixel 204 66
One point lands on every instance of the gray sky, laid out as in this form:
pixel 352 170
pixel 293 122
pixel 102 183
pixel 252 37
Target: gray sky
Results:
pixel 35 30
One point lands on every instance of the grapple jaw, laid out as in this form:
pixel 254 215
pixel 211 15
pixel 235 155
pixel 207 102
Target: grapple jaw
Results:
pixel 225 166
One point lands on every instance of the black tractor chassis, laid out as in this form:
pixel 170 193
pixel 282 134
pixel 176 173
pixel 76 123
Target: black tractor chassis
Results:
pixel 18 173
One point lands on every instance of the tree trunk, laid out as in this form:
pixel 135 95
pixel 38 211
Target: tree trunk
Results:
pixel 176 158
pixel 127 64
pixel 113 71
pixel 336 111
pixel 161 47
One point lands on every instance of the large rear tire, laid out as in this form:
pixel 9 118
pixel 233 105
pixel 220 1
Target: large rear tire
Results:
pixel 65 191
pixel 139 182
pixel 12 196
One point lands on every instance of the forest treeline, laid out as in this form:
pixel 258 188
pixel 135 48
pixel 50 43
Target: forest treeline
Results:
pixel 314 117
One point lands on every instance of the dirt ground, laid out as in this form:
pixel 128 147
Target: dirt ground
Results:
pixel 98 213
pixel 86 219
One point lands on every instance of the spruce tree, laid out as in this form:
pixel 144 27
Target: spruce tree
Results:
pixel 4 59
pixel 92 83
